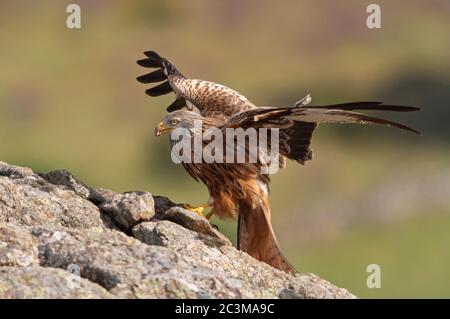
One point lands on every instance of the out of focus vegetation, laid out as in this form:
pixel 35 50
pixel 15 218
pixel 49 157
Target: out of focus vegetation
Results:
pixel 69 99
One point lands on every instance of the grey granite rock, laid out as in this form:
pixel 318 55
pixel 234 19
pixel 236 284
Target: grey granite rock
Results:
pixel 17 246
pixel 48 283
pixel 162 205
pixel 129 208
pixel 200 249
pixel 51 230
pixel 195 222
pixel 65 178
pixel 28 199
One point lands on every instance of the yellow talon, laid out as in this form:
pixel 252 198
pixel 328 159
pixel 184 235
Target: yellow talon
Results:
pixel 200 210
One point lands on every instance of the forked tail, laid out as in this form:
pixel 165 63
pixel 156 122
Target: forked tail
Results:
pixel 256 236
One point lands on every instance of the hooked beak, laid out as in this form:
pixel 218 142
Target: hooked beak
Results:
pixel 161 129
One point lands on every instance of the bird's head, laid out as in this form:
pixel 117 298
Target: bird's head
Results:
pixel 177 119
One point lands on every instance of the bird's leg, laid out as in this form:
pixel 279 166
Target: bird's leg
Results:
pixel 209 215
pixel 200 209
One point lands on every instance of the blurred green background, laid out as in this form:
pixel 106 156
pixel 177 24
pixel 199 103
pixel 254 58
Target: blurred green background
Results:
pixel 69 99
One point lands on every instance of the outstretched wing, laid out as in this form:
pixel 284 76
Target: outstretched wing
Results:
pixel 297 124
pixel 211 99
pixel 166 72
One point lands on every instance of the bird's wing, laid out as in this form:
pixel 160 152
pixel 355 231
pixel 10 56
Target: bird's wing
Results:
pixel 297 124
pixel 319 115
pixel 367 105
pixel 165 73
pixel 211 99
pixel 297 141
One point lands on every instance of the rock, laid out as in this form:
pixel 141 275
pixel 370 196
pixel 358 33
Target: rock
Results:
pixel 64 178
pixel 205 251
pixel 13 172
pixel 48 283
pixel 129 268
pixel 17 247
pixel 162 204
pixel 195 222
pixel 28 199
pixel 51 231
pixel 129 208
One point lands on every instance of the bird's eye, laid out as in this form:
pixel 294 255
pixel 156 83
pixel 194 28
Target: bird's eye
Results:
pixel 174 122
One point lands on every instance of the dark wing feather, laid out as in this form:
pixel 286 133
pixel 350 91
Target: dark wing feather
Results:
pixel 149 63
pixel 314 115
pixel 379 106
pixel 166 71
pixel 161 89
pixel 178 104
pixel 155 76
pixel 299 140
pixel 153 55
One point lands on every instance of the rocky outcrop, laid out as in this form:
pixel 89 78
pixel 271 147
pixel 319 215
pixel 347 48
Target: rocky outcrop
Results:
pixel 61 239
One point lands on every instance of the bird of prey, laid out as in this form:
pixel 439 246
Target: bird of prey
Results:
pixel 240 188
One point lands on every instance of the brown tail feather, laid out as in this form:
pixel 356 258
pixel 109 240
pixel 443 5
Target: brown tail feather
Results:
pixel 256 236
